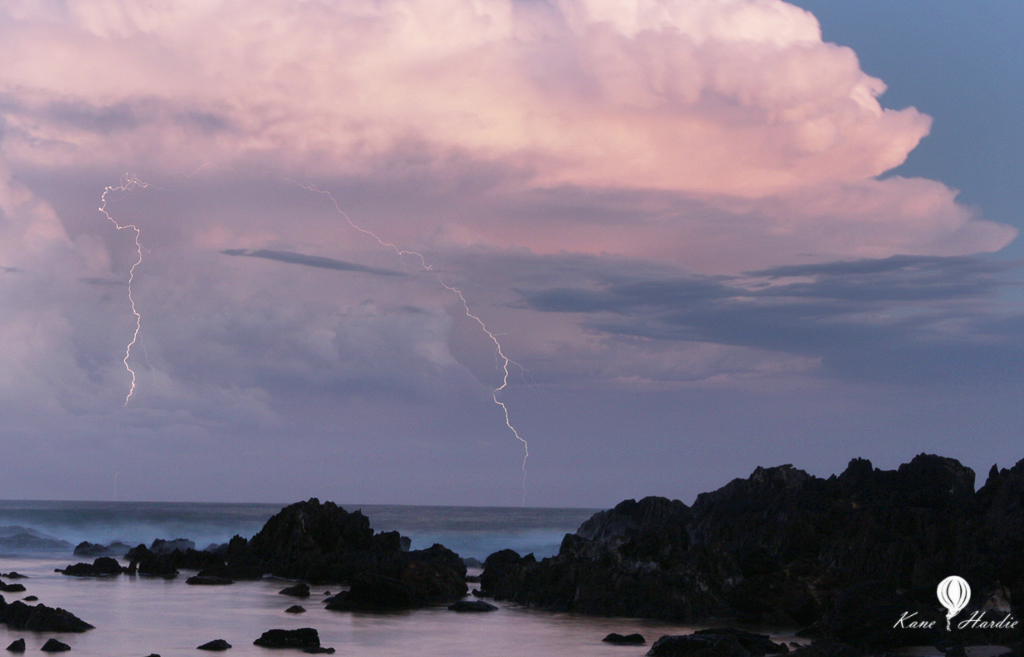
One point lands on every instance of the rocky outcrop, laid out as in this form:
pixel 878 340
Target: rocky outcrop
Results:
pixel 217 645
pixel 625 639
pixel 101 567
pixel 87 549
pixel 783 547
pixel 39 618
pixel 53 645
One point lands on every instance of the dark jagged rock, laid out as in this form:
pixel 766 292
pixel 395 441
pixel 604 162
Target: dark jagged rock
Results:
pixel 161 546
pixel 209 580
pixel 216 645
pixel 40 618
pixel 472 605
pixel 295 609
pixel 13 575
pixel 787 548
pixel 87 549
pixel 53 645
pixel 323 543
pixel 12 588
pixel 300 590
pixel 101 567
pixel 305 637
pixel 17 646
pixel 30 598
pixel 166 564
pixel 625 640
pixel 319 650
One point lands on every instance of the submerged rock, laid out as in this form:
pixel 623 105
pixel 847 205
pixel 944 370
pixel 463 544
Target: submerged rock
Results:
pixel 18 645
pixel 216 645
pixel 295 609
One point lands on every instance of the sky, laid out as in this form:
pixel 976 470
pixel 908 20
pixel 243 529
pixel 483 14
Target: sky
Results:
pixel 707 235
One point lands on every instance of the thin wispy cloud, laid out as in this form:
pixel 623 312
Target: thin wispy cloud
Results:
pixel 305 260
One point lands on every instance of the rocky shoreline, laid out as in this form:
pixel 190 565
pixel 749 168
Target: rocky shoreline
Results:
pixel 851 563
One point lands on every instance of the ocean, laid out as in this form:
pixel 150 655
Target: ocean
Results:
pixel 139 616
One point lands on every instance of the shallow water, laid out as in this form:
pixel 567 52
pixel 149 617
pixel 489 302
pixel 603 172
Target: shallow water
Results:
pixel 136 616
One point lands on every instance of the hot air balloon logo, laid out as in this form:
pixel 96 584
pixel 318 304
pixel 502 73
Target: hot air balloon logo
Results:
pixel 954 594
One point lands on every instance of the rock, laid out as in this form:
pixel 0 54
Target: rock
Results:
pixel 697 645
pixel 30 598
pixel 377 593
pixel 215 645
pixel 755 644
pixel 162 547
pixel 472 605
pixel 12 588
pixel 306 637
pixel 310 529
pixel 826 648
pixel 319 651
pixel 300 590
pixel 21 542
pixel 17 646
pixel 472 562
pixel 101 567
pixel 40 618
pixel 785 548
pixel 295 609
pixel 53 645
pixel 209 580
pixel 87 549
pixel 13 575
pixel 625 640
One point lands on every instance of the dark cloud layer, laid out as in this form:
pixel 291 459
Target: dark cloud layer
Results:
pixel 310 261
pixel 909 319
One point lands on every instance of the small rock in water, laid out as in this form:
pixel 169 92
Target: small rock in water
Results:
pixel 318 650
pixel 627 640
pixel 472 605
pixel 295 609
pixel 216 644
pixel 305 637
pixel 12 588
pixel 53 645
pixel 17 646
pixel 300 590
pixel 30 598
pixel 13 575
pixel 153 655
pixel 327 592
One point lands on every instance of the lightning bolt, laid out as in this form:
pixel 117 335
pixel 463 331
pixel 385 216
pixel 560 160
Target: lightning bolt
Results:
pixel 505 360
pixel 127 184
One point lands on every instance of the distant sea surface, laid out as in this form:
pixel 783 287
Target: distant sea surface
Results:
pixel 469 531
